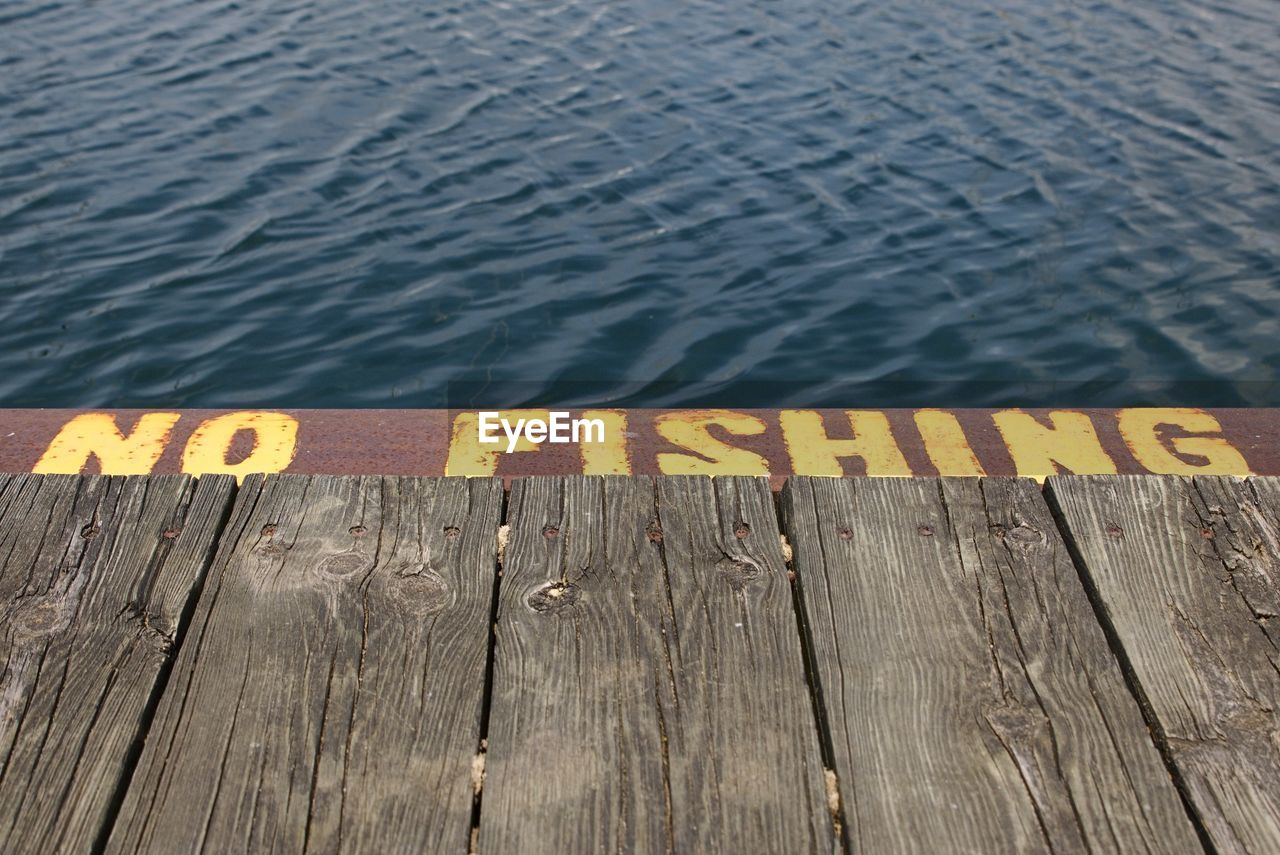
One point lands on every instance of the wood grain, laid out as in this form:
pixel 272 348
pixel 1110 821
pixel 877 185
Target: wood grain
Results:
pixel 95 576
pixel 1187 574
pixel 972 701
pixel 649 692
pixel 329 695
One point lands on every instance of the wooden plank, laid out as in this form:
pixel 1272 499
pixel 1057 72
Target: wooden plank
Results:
pixel 649 692
pixel 972 701
pixel 1187 573
pixel 329 695
pixel 95 576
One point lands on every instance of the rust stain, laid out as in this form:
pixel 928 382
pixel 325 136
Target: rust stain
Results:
pixel 776 443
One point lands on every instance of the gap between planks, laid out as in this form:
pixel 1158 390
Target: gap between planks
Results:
pixel 803 629
pixel 162 679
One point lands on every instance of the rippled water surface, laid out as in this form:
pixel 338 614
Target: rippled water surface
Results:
pixel 642 202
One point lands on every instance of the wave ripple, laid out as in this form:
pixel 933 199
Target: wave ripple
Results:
pixel 315 202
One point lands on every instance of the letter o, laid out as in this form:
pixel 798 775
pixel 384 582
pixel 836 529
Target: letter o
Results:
pixel 275 441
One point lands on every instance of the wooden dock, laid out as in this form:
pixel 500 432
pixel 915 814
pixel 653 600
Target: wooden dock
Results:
pixel 671 664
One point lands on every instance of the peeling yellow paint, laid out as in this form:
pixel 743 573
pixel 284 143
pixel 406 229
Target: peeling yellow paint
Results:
pixel 92 435
pixel 470 457
pixel 946 444
pixel 611 457
pixel 688 429
pixel 1141 429
pixel 275 441
pixel 1168 440
pixel 1070 442
pixel 813 452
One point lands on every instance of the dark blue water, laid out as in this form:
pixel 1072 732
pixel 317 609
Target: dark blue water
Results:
pixel 337 203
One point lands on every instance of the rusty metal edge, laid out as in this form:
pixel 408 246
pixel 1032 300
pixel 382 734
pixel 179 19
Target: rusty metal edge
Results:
pixel 417 442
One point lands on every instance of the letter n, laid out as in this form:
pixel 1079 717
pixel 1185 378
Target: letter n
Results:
pixel 96 435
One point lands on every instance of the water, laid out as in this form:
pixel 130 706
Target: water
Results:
pixel 337 203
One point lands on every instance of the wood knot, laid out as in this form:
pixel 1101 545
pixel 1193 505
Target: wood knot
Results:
pixel 1114 530
pixel 1207 533
pixel 654 532
pixel 269 530
pixel 38 617
pixel 90 531
pixel 1024 534
pixel 554 597
pixel 343 564
pixel 925 530
pixel 741 530
pixel 357 531
pixel 1016 725
pixel 452 532
pixel 738 573
pixel 159 640
pixel 844 533
pixel 170 533
pixel 550 532
pixel 422 588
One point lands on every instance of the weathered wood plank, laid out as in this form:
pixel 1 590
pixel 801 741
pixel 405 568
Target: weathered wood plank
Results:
pixel 972 701
pixel 95 576
pixel 1187 573
pixel 649 692
pixel 329 695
